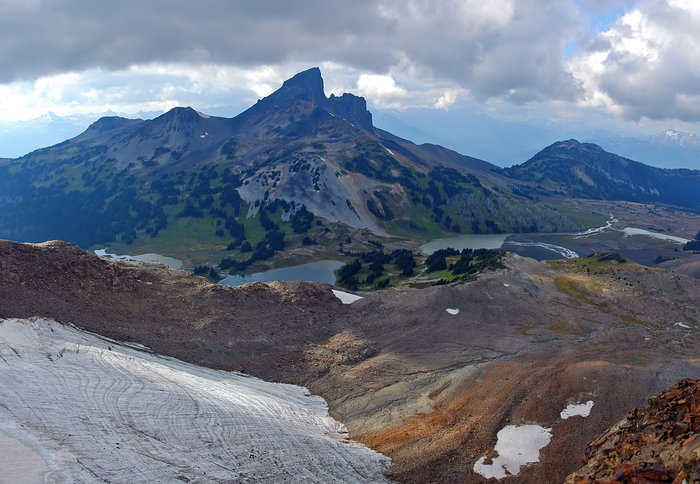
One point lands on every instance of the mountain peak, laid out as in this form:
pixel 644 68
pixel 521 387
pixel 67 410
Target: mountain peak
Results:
pixel 304 86
pixel 309 76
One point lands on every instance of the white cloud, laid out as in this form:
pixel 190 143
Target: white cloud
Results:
pixel 397 53
pixel 447 99
pixel 381 90
pixel 647 64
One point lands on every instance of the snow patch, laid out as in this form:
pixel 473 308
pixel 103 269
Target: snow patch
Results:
pixel 204 135
pixel 683 325
pixel 453 311
pixel 165 260
pixel 628 231
pixel 517 446
pixel 562 251
pixel 577 409
pixel 346 297
pixel 96 410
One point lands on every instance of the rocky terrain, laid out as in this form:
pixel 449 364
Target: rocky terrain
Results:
pixel 428 387
pixel 659 443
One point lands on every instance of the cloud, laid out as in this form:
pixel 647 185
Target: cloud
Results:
pixel 643 63
pixel 446 100
pixel 151 88
pixel 381 90
pixel 646 64
pixel 500 47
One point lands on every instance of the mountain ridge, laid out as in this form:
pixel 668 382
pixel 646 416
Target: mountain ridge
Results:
pixel 295 151
pixel 296 166
pixel 586 170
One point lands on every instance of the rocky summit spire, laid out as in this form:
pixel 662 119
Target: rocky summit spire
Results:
pixel 306 86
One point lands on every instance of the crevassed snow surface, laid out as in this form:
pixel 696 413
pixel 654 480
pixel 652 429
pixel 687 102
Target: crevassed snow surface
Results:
pixel 346 297
pixel 517 446
pixel 577 409
pixel 93 410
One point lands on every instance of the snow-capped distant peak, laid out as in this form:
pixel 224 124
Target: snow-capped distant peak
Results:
pixel 677 138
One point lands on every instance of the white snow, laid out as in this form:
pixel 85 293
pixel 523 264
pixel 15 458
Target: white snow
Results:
pixel 19 462
pixel 628 231
pixel 346 297
pixel 93 410
pixel 163 259
pixel 204 135
pixel 683 325
pixel 516 446
pixel 577 409
pixel 598 230
pixel 453 311
pixel 562 251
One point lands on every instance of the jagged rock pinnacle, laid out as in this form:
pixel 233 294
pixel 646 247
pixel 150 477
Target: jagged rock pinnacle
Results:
pixel 306 85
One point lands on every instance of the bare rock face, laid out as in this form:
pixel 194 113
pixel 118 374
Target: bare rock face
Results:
pixel 353 108
pixel 660 443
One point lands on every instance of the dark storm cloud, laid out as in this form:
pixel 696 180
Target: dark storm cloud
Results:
pixel 48 37
pixel 495 48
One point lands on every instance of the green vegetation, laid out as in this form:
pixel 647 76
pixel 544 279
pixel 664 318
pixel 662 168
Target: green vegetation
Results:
pixel 195 215
pixel 76 192
pixel 445 201
pixel 378 270
pixel 573 288
pixel 606 263
pixel 661 259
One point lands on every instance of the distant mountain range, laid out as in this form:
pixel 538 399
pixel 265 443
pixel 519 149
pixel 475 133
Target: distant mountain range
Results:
pixel 668 149
pixel 20 137
pixel 585 170
pixel 483 136
pixel 294 161
pixel 290 169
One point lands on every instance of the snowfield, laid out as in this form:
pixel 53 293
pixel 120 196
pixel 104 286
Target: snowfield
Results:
pixel 91 410
pixel 577 409
pixel 517 445
pixel 346 297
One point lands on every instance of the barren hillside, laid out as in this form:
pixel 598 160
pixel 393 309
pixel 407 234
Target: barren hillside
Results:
pixel 427 387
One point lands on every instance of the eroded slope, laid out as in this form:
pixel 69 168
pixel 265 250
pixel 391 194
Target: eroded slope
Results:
pixel 429 388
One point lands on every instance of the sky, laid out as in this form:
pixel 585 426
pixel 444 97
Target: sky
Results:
pixel 629 68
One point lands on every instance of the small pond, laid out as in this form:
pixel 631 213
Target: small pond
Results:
pixel 319 271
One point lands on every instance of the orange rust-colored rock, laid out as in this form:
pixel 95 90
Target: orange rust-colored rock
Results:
pixel 658 444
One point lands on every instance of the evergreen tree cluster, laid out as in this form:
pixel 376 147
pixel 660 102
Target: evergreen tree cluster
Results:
pixel 693 244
